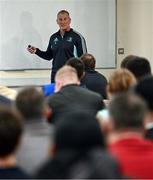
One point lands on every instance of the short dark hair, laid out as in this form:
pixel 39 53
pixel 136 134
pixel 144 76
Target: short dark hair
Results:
pixel 89 61
pixel 127 111
pixel 144 88
pixel 126 60
pixel 78 65
pixel 30 102
pixel 78 130
pixel 139 66
pixel 63 11
pixel 11 127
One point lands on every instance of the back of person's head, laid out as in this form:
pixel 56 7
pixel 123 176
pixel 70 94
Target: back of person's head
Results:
pixel 139 66
pixel 127 111
pixel 144 88
pixel 78 131
pixel 30 102
pixel 11 128
pixel 120 81
pixel 89 61
pixel 78 65
pixel 65 76
pixel 80 152
pixel 126 60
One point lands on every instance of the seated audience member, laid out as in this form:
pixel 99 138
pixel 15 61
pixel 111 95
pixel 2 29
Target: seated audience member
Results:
pixel 120 80
pixel 92 79
pixel 144 88
pixel 8 92
pixel 79 150
pixel 140 67
pixel 68 92
pixel 126 60
pixel 125 137
pixel 78 65
pixel 31 103
pixel 11 127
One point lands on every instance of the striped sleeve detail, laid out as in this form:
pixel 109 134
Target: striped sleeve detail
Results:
pixel 75 52
pixel 83 42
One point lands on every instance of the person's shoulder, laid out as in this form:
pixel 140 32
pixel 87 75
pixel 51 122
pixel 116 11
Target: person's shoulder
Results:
pixel 55 98
pixel 101 76
pixel 20 173
pixel 95 94
pixel 90 93
pixel 76 33
pixel 55 34
pixel 98 73
pixel 95 74
pixel 13 173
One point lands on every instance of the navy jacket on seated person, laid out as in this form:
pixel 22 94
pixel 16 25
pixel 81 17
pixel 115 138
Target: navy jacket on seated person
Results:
pixel 95 81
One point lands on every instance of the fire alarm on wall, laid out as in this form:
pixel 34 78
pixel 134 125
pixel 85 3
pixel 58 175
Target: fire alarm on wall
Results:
pixel 120 50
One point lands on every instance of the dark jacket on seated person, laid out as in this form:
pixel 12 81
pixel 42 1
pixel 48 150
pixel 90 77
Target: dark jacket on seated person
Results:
pixel 71 95
pixel 13 173
pixel 95 81
pixel 95 164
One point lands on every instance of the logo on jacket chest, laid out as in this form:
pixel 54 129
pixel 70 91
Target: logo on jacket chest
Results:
pixel 59 42
pixel 56 40
pixel 69 39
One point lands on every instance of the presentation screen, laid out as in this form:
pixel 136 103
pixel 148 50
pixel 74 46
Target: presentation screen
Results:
pixel 24 22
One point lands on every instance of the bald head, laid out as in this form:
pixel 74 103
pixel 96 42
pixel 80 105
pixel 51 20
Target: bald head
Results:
pixel 66 75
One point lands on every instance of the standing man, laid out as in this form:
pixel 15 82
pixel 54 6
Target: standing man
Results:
pixel 64 44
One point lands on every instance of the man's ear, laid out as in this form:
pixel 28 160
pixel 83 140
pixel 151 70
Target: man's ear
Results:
pixel 58 86
pixel 83 75
pixel 111 125
pixel 105 125
pixel 147 119
pixel 108 91
pixel 78 82
pixel 47 112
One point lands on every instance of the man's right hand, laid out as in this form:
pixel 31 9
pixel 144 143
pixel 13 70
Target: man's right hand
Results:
pixel 32 49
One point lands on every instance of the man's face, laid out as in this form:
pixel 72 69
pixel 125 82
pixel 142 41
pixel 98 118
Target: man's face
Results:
pixel 63 20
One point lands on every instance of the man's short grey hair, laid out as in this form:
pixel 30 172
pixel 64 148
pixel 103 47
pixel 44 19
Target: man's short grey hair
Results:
pixel 63 11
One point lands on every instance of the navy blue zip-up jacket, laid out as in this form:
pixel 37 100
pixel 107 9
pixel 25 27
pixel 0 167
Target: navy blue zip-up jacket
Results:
pixel 60 49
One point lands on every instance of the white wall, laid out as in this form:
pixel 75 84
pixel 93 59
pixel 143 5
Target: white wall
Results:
pixel 134 30
pixel 135 27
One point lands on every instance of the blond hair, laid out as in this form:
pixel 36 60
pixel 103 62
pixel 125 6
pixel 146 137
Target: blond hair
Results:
pixel 66 73
pixel 120 81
